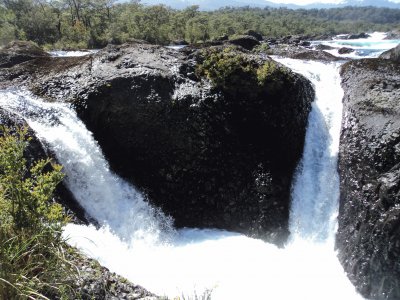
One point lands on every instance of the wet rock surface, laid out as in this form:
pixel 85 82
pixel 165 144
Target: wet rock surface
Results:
pixel 299 52
pixel 368 237
pixel 345 50
pixel 97 282
pixel 207 156
pixel 392 54
pixel 18 52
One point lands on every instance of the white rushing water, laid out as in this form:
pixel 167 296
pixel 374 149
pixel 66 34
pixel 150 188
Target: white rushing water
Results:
pixel 372 46
pixel 63 53
pixel 137 241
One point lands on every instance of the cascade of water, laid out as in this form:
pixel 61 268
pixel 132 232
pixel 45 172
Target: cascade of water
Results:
pixel 315 191
pixel 104 196
pixel 231 265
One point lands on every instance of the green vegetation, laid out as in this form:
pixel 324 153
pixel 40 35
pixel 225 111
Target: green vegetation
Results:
pixel 94 23
pixel 229 69
pixel 225 68
pixel 32 250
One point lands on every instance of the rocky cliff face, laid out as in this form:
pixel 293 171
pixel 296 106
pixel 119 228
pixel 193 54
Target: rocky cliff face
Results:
pixel 368 238
pixel 210 155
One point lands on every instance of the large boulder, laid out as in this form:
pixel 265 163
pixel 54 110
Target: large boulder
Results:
pixel 324 47
pixel 345 50
pixel 357 36
pixel 17 52
pixel 254 34
pixel 248 42
pixel 213 147
pixel 392 54
pixel 368 238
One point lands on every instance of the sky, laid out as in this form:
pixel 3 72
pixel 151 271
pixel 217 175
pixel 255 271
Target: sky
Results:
pixel 305 2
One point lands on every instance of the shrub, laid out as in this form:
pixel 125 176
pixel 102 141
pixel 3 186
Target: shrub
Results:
pixel 32 261
pixel 225 67
pixel 232 70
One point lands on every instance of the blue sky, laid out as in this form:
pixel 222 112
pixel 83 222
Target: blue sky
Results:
pixel 304 2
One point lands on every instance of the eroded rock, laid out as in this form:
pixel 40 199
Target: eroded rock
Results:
pixel 368 237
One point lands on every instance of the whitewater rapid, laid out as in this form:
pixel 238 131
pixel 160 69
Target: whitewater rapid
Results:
pixel 138 242
pixel 372 46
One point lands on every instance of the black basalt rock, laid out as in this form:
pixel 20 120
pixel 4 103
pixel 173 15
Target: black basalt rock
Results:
pixel 248 42
pixel 345 50
pixel 368 238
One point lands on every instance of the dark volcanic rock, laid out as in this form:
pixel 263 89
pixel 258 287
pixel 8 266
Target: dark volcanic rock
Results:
pixel 323 47
pixel 345 50
pixel 209 156
pixel 254 34
pixel 392 54
pixel 361 35
pixel 393 35
pixel 248 42
pixel 368 237
pixel 97 282
pixel 18 51
pixel 302 53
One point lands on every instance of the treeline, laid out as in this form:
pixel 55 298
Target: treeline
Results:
pixel 64 24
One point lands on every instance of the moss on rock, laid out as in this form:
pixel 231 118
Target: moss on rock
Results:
pixel 236 72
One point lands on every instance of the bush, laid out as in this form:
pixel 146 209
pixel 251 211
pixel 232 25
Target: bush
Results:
pixel 230 69
pixel 225 67
pixel 32 255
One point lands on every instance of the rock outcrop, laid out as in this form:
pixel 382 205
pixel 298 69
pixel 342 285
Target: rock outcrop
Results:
pixel 357 36
pixel 392 54
pixel 19 51
pixel 210 154
pixel 298 52
pixel 248 42
pixel 345 50
pixel 368 237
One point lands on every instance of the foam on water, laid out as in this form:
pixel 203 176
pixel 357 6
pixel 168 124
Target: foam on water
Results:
pixel 136 240
pixel 372 46
pixel 62 53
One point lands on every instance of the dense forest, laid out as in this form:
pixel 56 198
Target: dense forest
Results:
pixel 65 24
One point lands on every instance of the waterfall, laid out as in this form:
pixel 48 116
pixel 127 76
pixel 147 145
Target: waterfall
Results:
pixel 137 241
pixel 315 191
pixel 110 200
